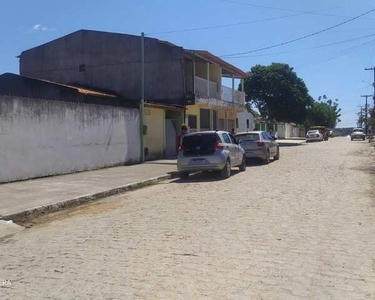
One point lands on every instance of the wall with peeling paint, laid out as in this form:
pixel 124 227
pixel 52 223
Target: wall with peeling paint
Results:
pixel 42 137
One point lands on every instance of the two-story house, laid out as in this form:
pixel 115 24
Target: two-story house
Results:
pixel 216 105
pixel 181 86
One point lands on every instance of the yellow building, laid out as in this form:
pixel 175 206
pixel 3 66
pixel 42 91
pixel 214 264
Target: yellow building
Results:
pixel 161 127
pixel 216 105
pixel 210 104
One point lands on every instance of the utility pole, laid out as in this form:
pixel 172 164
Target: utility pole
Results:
pixel 366 112
pixel 142 104
pixel 360 120
pixel 372 69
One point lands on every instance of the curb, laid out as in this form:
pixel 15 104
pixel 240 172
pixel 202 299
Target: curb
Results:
pixel 25 215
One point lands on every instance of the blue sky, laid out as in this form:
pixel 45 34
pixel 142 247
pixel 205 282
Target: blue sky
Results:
pixel 335 70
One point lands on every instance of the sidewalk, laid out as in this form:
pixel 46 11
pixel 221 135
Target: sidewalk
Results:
pixel 32 197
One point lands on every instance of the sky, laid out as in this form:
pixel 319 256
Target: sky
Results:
pixel 331 63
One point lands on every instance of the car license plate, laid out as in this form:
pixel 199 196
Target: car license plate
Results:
pixel 198 161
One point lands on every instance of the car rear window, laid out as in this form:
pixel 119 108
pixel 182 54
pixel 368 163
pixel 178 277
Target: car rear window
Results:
pixel 312 131
pixel 247 137
pixel 200 143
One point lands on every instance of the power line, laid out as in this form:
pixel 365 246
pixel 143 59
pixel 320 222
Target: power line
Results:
pixel 285 9
pixel 342 53
pixel 231 24
pixel 282 9
pixel 301 38
pixel 303 49
pixel 223 26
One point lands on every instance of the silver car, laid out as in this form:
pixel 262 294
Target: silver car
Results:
pixel 358 134
pixel 314 135
pixel 259 144
pixel 210 151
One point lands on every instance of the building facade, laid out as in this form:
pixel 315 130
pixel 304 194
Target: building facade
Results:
pixel 181 86
pixel 215 105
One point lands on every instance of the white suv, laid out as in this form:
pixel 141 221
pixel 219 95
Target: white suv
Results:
pixel 358 134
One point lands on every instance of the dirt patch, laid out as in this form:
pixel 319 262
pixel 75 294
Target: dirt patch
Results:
pixel 92 208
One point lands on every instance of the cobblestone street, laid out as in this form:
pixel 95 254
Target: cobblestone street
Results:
pixel 302 227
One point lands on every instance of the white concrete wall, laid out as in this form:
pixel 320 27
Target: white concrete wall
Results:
pixel 42 137
pixel 242 123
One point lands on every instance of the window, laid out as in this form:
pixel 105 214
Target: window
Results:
pixel 205 119
pixel 233 140
pixel 192 122
pixel 247 123
pixel 199 143
pixel 265 136
pixel 226 138
pixel 237 123
pixel 247 137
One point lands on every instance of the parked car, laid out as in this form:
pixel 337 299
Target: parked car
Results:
pixel 210 151
pixel 358 134
pixel 323 131
pixel 314 135
pixel 259 144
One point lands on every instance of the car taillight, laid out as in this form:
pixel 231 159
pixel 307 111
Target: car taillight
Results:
pixel 260 144
pixel 219 146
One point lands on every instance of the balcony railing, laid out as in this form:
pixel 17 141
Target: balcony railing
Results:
pixel 209 89
pixel 226 95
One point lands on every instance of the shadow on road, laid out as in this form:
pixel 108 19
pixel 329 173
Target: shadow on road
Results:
pixel 291 144
pixel 204 177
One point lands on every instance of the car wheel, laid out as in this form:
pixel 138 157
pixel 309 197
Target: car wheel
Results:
pixel 267 160
pixel 225 172
pixel 351 139
pixel 277 157
pixel 183 175
pixel 363 139
pixel 242 166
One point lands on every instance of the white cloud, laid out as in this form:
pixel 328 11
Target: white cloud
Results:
pixel 39 27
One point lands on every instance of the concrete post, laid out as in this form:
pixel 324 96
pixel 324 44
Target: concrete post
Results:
pixel 141 108
pixel 208 79
pixel 233 88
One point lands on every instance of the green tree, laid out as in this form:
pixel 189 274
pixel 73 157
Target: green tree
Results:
pixel 277 93
pixel 324 112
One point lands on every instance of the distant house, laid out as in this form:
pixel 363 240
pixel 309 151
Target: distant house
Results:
pixel 245 121
pixel 283 130
pixel 181 86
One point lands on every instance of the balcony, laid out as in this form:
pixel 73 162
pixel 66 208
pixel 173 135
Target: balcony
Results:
pixel 205 89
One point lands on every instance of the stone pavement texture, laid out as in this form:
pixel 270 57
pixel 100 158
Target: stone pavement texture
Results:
pixel 302 227
pixel 24 195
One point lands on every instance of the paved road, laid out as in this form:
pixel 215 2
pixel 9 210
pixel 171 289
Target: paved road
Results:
pixel 299 228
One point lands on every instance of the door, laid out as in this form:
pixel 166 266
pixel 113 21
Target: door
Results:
pixel 237 149
pixel 170 134
pixel 204 119
pixel 230 147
